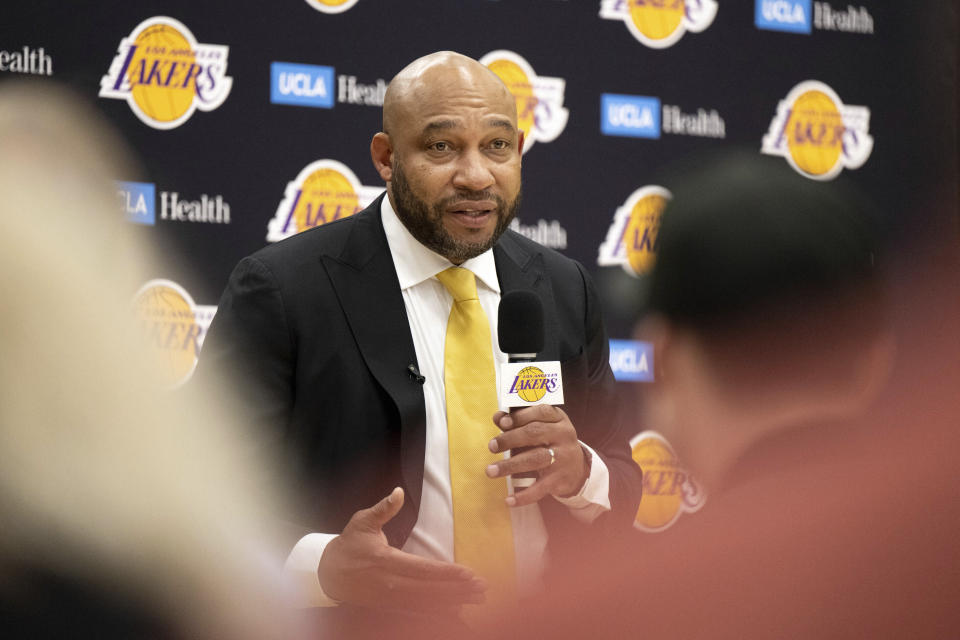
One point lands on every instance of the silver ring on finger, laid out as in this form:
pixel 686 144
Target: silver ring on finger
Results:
pixel 553 456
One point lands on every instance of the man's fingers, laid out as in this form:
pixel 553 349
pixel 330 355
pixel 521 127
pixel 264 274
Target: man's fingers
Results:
pixel 531 460
pixel 526 415
pixel 532 434
pixel 375 517
pixel 411 566
pixel 534 493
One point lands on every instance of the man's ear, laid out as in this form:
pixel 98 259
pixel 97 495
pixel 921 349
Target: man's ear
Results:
pixel 520 140
pixel 659 410
pixel 381 152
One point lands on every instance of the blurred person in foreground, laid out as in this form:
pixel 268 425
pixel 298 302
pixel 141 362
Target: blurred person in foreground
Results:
pixel 368 349
pixel 114 496
pixel 833 503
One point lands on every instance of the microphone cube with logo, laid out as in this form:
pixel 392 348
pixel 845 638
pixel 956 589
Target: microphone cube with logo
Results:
pixel 525 381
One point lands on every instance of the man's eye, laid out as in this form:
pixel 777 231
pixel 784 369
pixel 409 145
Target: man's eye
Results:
pixel 440 146
pixel 499 144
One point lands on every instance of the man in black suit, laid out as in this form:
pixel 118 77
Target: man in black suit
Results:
pixel 337 335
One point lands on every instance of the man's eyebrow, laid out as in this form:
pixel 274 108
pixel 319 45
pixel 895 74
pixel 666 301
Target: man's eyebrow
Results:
pixel 502 124
pixel 446 125
pixel 440 125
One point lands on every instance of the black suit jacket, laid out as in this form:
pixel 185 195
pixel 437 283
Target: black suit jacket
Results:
pixel 315 331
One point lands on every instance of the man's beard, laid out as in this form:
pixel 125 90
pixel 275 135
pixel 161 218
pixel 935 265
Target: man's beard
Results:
pixel 425 223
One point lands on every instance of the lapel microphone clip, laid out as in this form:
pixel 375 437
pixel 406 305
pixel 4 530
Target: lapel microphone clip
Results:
pixel 415 373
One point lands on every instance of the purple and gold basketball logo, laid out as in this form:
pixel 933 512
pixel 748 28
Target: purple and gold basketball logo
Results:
pixel 631 240
pixel 332 6
pixel 818 134
pixel 660 23
pixel 324 191
pixel 668 489
pixel 531 384
pixel 540 111
pixel 165 75
pixel 173 327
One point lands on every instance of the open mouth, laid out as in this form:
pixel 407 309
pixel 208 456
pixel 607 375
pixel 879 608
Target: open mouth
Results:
pixel 472 214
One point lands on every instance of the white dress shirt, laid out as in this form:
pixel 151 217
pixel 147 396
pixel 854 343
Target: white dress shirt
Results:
pixel 428 307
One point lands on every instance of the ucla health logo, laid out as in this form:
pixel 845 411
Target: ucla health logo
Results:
pixel 540 111
pixel 324 191
pixel 668 489
pixel 631 240
pixel 783 15
pixel 173 326
pixel 332 6
pixel 26 60
pixel 796 16
pixel 643 117
pixel 631 360
pixel 633 116
pixel 164 74
pixel 138 201
pixel 550 234
pixel 660 23
pixel 818 134
pixel 306 85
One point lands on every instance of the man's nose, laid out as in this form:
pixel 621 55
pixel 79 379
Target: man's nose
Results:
pixel 473 171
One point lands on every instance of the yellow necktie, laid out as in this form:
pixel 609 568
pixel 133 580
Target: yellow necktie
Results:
pixel 482 533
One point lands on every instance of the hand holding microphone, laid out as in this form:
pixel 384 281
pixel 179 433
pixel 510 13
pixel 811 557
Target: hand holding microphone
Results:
pixel 542 440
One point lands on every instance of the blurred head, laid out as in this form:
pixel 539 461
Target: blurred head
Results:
pixel 450 154
pixel 101 484
pixel 765 304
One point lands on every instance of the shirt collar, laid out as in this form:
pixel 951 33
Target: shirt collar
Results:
pixel 415 263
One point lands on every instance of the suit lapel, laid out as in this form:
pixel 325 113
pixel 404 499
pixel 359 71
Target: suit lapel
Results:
pixel 366 284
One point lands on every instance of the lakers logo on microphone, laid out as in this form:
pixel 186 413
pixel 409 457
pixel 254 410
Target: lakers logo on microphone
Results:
pixel 818 134
pixel 668 489
pixel 631 240
pixel 164 74
pixel 525 383
pixel 531 384
pixel 660 23
pixel 540 111
pixel 324 191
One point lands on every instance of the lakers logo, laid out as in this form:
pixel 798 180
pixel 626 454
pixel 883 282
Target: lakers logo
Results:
pixel 324 191
pixel 531 384
pixel 540 111
pixel 164 74
pixel 331 6
pixel 631 240
pixel 660 23
pixel 668 489
pixel 173 327
pixel 817 133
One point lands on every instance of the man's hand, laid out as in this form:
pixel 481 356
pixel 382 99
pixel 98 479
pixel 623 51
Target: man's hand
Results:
pixel 359 567
pixel 542 427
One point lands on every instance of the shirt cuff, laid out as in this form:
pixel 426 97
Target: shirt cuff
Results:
pixel 300 572
pixel 594 496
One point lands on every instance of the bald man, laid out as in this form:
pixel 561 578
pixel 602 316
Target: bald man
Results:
pixel 337 337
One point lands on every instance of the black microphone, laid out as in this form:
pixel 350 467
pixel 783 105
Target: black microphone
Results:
pixel 520 325
pixel 415 373
pixel 520 335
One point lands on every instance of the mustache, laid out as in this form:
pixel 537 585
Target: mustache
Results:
pixel 468 194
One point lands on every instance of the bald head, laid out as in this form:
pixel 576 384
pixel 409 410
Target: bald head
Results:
pixel 439 75
pixel 449 154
